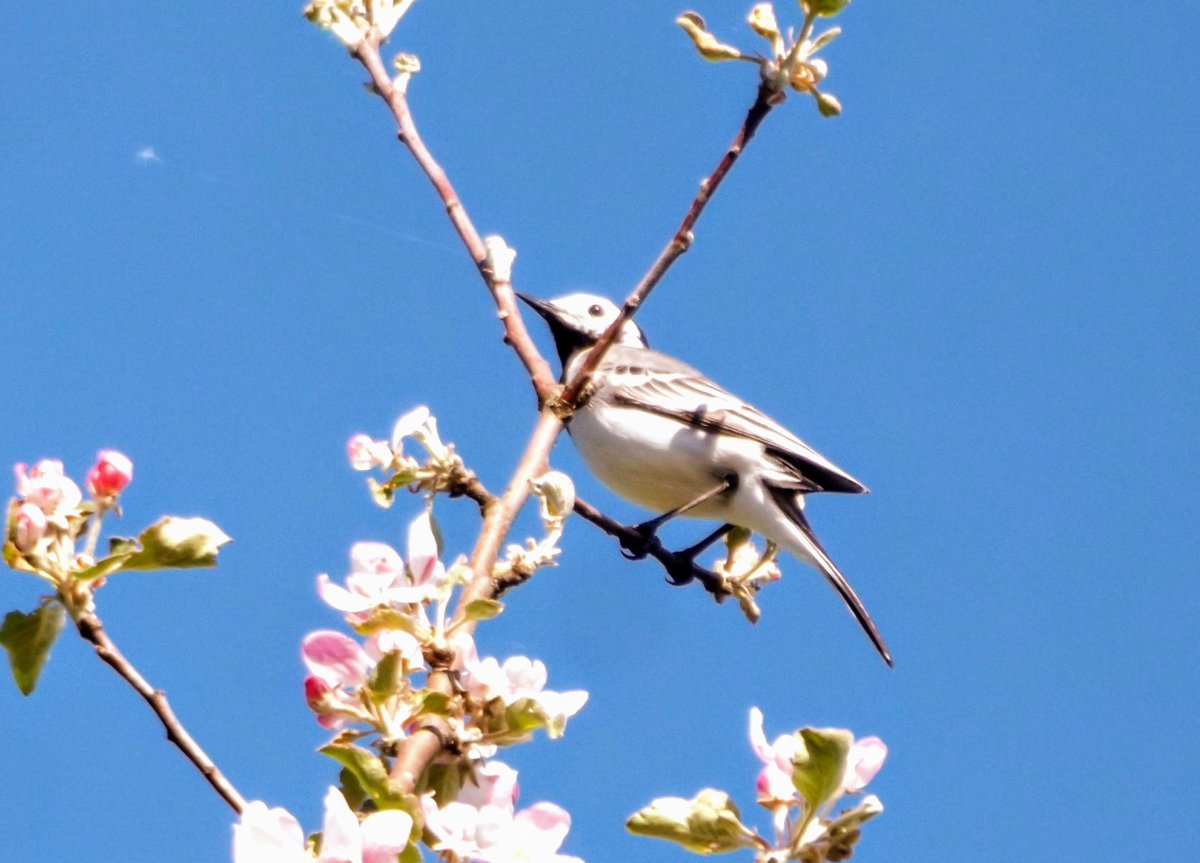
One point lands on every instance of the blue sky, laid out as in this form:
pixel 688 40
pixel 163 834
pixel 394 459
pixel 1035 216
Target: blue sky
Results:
pixel 976 291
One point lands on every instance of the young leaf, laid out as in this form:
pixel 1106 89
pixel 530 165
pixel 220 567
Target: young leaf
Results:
pixel 178 543
pixel 368 770
pixel 482 609
pixel 386 678
pixel 28 639
pixel 819 765
pixel 709 823
pixel 826 8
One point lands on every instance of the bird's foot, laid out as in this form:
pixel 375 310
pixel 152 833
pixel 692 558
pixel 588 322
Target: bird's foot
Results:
pixel 639 540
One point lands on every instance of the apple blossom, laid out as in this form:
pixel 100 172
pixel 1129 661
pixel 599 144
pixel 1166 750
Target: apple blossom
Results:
pixel 775 780
pixel 110 475
pixel 30 527
pixel 336 664
pixel 518 678
pixel 335 659
pixel 375 569
pixel 377 839
pixel 47 487
pixel 265 835
pixel 366 453
pixel 487 829
pixel 492 783
pixel 864 761
pixel 412 423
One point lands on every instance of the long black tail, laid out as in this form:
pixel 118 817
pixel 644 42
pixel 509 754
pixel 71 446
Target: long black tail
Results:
pixel 810 549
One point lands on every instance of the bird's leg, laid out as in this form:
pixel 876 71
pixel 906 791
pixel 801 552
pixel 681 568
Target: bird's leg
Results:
pixel 694 551
pixel 648 529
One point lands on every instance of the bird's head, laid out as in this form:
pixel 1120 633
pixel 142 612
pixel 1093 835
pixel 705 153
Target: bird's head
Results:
pixel 577 320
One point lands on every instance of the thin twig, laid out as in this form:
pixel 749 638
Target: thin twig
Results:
pixel 768 97
pixel 515 334
pixel 92 630
pixel 419 750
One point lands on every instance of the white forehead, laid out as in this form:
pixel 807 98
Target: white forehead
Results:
pixel 584 306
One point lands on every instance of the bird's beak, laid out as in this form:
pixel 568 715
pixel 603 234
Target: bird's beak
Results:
pixel 543 308
pixel 567 339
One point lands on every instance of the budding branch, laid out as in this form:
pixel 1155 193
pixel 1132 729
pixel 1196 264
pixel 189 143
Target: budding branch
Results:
pixel 423 745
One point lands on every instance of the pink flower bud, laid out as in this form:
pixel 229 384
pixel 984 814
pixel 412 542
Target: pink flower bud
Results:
pixel 111 473
pixel 30 527
pixel 315 691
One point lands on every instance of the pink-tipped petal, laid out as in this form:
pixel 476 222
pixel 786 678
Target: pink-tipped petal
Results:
pixel 865 760
pixel 335 659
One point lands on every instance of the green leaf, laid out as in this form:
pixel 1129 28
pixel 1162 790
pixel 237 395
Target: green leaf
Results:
pixel 819 764
pixel 384 619
pixel 435 703
pixel 178 543
pixel 368 769
pixel 709 823
pixel 387 678
pixel 525 715
pixel 28 639
pixel 826 8
pixel 104 566
pixel 444 780
pixel 482 609
pixel 121 545
pixel 351 789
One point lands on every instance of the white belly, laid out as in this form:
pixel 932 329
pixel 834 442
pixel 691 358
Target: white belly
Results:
pixel 658 463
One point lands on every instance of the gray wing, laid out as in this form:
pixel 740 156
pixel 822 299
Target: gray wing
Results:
pixel 656 383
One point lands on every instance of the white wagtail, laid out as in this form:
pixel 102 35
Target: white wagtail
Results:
pixel 662 435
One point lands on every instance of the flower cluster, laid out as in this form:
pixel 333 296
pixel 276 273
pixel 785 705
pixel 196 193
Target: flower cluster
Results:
pixel 49 516
pixel 483 824
pixel 273 835
pixel 400 608
pixel 48 521
pixel 442 470
pixel 792 62
pixel 803 777
pixel 376 686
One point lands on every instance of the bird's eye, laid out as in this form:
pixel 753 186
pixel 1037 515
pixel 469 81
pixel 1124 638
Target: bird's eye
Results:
pixel 595 310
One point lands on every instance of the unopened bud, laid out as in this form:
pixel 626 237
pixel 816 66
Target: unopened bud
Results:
pixel 557 492
pixel 30 527
pixel 828 105
pixel 111 473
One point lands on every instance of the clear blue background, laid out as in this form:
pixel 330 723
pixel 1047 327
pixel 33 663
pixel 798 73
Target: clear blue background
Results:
pixel 976 290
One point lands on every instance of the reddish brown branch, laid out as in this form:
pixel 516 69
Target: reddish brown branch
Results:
pixel 422 747
pixel 768 97
pixel 92 630
pixel 367 53
pixel 419 750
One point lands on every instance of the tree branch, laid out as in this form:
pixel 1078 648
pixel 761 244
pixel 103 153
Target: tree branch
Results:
pixel 515 334
pixel 768 97
pixel 92 630
pixel 420 749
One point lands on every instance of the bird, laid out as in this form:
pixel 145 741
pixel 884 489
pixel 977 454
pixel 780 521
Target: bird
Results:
pixel 664 436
